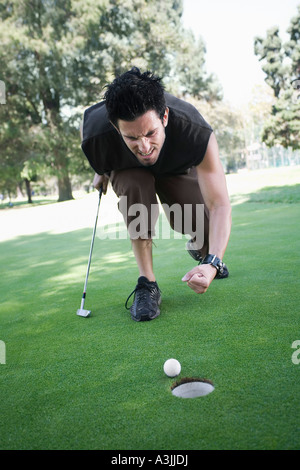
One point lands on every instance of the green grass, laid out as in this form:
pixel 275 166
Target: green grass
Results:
pixel 98 383
pixel 277 194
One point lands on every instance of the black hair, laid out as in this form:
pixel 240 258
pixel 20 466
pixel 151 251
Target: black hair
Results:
pixel 132 94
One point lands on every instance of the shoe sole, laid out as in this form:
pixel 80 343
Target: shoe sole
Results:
pixel 195 254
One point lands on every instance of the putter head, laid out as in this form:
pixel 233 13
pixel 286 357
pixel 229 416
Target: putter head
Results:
pixel 83 313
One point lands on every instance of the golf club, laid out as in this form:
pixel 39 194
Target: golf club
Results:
pixel 81 311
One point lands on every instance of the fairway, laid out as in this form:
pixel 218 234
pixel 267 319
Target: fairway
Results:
pixel 98 383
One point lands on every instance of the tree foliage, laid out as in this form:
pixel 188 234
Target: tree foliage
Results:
pixel 281 64
pixel 227 124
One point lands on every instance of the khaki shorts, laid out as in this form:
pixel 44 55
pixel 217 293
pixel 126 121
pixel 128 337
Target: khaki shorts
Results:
pixel 180 197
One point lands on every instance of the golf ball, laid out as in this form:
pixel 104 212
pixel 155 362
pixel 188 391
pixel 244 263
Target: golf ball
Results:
pixel 172 367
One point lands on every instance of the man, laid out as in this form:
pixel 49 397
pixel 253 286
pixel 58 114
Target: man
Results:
pixel 149 143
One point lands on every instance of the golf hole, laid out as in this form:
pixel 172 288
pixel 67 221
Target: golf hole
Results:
pixel 190 387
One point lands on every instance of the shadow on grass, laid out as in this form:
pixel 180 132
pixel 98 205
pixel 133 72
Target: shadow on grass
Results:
pixel 44 274
pixel 36 259
pixel 48 269
pixel 276 194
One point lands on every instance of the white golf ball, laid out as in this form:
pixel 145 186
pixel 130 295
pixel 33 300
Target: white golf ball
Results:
pixel 172 367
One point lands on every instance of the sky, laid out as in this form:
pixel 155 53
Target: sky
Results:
pixel 228 28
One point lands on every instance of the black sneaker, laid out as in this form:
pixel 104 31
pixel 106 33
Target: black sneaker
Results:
pixel 146 302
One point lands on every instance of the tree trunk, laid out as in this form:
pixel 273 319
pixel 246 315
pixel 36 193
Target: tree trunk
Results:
pixel 28 190
pixel 64 188
pixel 62 173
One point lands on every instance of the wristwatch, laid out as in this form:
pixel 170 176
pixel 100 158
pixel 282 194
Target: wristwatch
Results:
pixel 214 261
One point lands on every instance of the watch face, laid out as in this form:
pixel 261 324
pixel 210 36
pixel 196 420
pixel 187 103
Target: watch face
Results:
pixel 219 265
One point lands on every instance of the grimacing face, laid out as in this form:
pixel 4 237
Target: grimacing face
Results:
pixel 145 136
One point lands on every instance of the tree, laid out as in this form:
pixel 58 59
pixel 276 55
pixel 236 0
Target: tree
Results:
pixel 34 74
pixel 190 78
pixel 281 63
pixel 270 50
pixel 227 124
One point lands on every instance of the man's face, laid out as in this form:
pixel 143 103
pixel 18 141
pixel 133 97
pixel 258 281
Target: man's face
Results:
pixel 145 136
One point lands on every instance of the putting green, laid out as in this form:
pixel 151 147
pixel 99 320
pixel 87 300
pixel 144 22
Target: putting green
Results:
pixel 98 383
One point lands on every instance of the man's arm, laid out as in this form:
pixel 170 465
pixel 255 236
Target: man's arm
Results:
pixel 212 181
pixel 99 180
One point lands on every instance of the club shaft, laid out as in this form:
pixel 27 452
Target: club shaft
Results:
pixel 91 250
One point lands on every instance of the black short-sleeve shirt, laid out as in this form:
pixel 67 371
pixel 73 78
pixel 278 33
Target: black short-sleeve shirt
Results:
pixel 187 136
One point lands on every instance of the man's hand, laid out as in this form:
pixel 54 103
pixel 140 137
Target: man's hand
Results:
pixel 100 180
pixel 200 277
